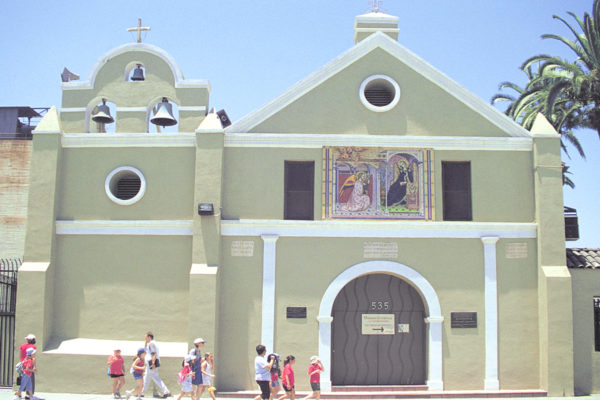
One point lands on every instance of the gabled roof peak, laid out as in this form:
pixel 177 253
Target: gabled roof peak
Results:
pixel 375 21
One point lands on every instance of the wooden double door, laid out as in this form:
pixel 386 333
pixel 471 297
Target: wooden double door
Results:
pixel 365 353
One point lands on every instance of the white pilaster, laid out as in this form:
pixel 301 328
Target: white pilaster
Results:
pixel 491 314
pixel 268 291
pixel 435 380
pixel 325 350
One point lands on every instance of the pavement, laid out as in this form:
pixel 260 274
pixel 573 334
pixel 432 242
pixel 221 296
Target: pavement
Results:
pixel 9 394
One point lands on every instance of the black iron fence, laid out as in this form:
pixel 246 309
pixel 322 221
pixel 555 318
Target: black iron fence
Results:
pixel 8 304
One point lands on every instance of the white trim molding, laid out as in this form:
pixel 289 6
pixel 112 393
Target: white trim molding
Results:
pixel 379 229
pixel 268 291
pixel 180 81
pixel 316 141
pixel 388 82
pixel 419 282
pixel 109 185
pixel 491 314
pixel 126 227
pixel 384 42
pixel 97 140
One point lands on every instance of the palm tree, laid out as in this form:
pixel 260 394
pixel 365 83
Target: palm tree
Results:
pixel 533 99
pixel 567 93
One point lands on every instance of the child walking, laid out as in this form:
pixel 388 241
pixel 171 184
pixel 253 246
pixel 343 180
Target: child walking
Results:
pixel 185 377
pixel 287 380
pixel 208 366
pixel 275 375
pixel 29 368
pixel 115 364
pixel 314 373
pixel 138 368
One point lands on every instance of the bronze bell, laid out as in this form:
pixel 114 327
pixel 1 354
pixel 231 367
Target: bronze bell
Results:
pixel 102 116
pixel 164 114
pixel 138 73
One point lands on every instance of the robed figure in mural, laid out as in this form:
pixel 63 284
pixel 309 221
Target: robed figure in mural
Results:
pixel 397 190
pixel 352 194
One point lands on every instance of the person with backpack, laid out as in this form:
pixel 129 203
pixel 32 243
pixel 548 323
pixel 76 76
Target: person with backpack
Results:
pixel 29 368
pixel 197 366
pixel 185 377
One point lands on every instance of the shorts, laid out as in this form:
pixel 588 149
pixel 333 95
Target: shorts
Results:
pixel 288 389
pixel 265 389
pixel 137 376
pixel 275 384
pixel 116 375
pixel 26 384
pixel 315 386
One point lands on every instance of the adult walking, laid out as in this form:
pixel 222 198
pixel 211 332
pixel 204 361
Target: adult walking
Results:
pixel 197 367
pixel 263 372
pixel 153 364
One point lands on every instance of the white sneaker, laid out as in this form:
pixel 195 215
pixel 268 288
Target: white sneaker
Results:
pixel 129 393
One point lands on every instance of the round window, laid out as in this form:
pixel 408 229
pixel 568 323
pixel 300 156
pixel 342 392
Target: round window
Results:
pixel 379 93
pixel 125 185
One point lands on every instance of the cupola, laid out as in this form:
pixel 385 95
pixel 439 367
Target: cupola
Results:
pixel 375 21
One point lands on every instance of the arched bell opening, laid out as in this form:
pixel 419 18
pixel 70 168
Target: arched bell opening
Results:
pixel 135 71
pixel 162 116
pixel 101 116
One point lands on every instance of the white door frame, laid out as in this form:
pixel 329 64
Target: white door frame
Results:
pixel 431 302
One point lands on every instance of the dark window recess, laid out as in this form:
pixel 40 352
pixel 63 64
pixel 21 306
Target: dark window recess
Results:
pixel 456 191
pixel 379 95
pixel 299 190
pixel 128 187
pixel 597 323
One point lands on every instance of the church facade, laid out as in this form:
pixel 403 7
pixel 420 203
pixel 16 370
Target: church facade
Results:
pixel 376 214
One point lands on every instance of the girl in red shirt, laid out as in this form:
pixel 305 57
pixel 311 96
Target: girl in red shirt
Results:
pixel 314 374
pixel 115 364
pixel 287 380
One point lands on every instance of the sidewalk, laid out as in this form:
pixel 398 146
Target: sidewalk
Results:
pixel 8 394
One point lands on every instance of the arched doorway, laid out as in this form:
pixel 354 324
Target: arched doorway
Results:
pixel 378 333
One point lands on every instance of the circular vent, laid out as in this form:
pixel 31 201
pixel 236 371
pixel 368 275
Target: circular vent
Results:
pixel 379 93
pixel 125 185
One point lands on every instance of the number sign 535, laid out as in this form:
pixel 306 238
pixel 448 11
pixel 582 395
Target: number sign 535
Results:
pixel 380 305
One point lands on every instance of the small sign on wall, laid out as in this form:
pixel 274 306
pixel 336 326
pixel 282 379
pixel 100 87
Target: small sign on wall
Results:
pixel 378 324
pixel 242 248
pixel 403 328
pixel 295 312
pixel 380 250
pixel 516 250
pixel 463 320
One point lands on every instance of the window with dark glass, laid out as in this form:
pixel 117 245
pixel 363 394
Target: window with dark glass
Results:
pixel 299 190
pixel 456 191
pixel 597 323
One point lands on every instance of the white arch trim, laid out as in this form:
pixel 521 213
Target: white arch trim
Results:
pixel 180 81
pixel 432 303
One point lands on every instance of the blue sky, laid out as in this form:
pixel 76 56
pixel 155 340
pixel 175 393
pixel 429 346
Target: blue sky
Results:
pixel 251 51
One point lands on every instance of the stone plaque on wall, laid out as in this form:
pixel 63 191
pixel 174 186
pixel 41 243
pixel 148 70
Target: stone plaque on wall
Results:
pixel 380 250
pixel 242 248
pixel 516 250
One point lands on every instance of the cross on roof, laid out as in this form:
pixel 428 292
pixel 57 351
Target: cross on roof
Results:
pixel 139 30
pixel 376 5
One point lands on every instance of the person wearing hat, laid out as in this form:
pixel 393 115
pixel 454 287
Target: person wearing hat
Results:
pixel 29 344
pixel 138 369
pixel 314 374
pixel 116 372
pixel 197 366
pixel 28 370
pixel 186 375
